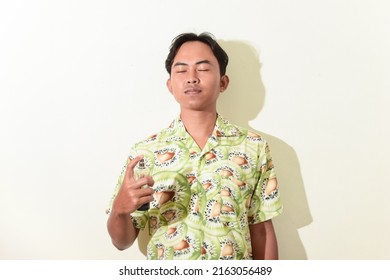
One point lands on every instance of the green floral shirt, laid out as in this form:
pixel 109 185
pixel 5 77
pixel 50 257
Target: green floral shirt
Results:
pixel 205 200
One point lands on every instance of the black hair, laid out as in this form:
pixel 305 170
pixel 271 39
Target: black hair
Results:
pixel 204 37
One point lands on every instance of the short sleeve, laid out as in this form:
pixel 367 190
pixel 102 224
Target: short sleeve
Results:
pixel 266 203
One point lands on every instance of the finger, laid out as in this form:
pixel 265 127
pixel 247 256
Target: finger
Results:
pixel 149 181
pixel 146 192
pixel 144 182
pixel 131 163
pixel 146 195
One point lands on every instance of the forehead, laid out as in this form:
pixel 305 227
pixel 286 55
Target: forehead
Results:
pixel 194 51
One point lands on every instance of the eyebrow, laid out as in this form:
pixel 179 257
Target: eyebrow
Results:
pixel 197 63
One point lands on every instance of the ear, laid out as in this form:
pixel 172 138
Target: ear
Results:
pixel 224 83
pixel 169 85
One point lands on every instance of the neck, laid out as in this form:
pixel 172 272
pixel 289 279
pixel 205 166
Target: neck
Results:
pixel 199 125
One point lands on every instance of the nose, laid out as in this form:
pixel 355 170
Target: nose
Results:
pixel 192 77
pixel 193 81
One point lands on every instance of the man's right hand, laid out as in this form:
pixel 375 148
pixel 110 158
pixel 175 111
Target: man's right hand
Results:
pixel 132 193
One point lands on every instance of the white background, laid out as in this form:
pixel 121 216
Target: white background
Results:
pixel 81 81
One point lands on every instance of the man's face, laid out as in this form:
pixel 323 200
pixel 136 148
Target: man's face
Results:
pixel 195 80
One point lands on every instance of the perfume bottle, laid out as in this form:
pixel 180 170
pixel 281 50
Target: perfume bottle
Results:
pixel 141 172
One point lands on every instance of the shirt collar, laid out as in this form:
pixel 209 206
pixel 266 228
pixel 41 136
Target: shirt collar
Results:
pixel 223 128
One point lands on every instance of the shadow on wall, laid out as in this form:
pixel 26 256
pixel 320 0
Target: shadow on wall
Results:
pixel 241 103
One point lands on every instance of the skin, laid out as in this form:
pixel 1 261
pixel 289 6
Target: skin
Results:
pixel 130 197
pixel 196 84
pixel 264 242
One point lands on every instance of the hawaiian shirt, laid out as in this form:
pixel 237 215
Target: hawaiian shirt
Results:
pixel 205 199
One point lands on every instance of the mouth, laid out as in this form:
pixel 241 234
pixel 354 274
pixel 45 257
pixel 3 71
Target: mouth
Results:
pixel 192 91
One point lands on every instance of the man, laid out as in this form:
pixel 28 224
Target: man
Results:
pixel 211 185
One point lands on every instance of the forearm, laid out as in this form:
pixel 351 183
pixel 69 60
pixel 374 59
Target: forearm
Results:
pixel 122 230
pixel 271 247
pixel 264 242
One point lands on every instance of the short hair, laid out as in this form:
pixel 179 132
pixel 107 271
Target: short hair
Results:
pixel 204 37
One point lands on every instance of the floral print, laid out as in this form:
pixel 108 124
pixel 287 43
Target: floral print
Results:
pixel 205 200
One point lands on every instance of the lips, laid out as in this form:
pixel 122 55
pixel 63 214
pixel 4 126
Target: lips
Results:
pixel 192 90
